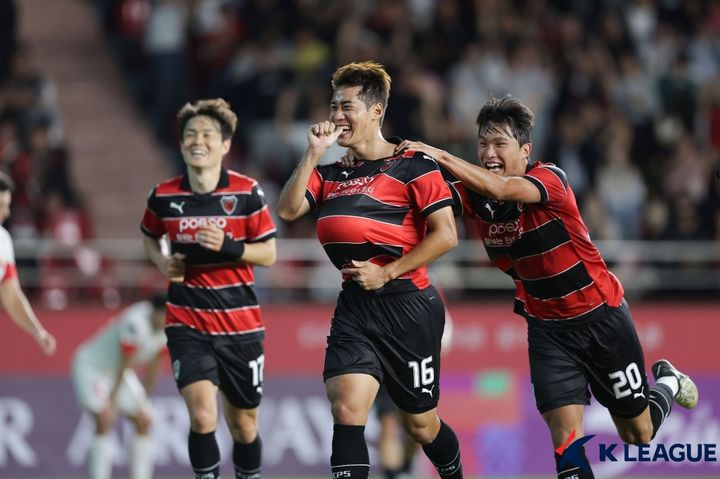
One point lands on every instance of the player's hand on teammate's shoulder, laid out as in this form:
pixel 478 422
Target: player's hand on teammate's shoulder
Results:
pixel 322 135
pixel 417 146
pixel 367 274
pixel 46 341
pixel 348 159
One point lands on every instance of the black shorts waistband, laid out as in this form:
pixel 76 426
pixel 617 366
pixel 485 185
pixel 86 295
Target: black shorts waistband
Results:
pixel 579 322
pixel 351 288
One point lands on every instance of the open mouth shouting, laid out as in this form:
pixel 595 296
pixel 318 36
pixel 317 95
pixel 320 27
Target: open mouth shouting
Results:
pixel 495 167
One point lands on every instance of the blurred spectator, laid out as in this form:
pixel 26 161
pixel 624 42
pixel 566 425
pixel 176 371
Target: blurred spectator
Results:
pixel 644 70
pixel 8 36
pixel 45 199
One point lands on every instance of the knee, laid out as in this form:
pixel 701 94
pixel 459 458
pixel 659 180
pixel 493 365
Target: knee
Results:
pixel 347 414
pixel 561 432
pixel 423 432
pixel 638 434
pixel 244 429
pixel 203 418
pixel 103 423
pixel 143 422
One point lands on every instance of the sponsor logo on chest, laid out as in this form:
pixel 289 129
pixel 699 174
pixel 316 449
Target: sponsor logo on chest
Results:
pixel 354 186
pixel 501 234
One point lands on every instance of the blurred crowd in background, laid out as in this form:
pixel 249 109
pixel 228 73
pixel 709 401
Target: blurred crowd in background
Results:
pixel 626 94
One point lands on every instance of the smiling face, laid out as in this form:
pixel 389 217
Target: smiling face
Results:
pixel 202 143
pixel 349 111
pixel 499 151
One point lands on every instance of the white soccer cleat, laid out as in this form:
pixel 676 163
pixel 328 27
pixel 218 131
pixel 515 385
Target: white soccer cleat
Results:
pixel 687 395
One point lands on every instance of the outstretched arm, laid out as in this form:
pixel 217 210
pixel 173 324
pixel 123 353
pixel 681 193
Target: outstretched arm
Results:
pixel 477 178
pixel 18 307
pixel 292 203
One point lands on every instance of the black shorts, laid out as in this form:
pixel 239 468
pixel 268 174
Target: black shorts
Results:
pixel 393 337
pixel 604 353
pixel 235 366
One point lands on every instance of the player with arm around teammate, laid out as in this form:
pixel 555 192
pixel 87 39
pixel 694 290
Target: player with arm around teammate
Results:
pixel 219 227
pixel 580 331
pixel 106 384
pixel 12 296
pixel 380 222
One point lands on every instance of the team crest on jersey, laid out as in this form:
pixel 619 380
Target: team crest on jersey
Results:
pixel 228 204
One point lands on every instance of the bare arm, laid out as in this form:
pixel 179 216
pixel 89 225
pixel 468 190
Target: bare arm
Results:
pixel 262 253
pixel 477 178
pixel 18 307
pixel 292 203
pixel 441 238
pixel 152 372
pixel 124 364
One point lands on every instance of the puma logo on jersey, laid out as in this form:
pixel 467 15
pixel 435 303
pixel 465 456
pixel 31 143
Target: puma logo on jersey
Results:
pixel 491 210
pixel 429 391
pixel 346 173
pixel 178 206
pixel 640 394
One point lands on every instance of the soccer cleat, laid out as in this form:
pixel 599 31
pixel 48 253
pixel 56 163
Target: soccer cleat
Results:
pixel 687 395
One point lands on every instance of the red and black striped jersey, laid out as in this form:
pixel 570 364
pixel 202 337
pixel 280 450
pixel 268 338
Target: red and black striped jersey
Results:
pixel 217 295
pixel 546 248
pixel 375 211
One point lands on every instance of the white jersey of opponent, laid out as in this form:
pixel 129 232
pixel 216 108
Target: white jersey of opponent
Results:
pixel 131 332
pixel 98 360
pixel 7 255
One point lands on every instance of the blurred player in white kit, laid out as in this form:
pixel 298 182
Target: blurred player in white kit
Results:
pixel 105 383
pixel 11 294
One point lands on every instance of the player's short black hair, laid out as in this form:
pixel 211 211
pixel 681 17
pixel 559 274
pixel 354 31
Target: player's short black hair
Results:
pixel 216 108
pixel 6 182
pixel 509 112
pixel 158 300
pixel 370 76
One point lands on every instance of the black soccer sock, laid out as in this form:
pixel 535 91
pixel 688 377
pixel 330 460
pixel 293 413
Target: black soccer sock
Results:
pixel 444 453
pixel 246 458
pixel 390 473
pixel 350 459
pixel 404 469
pixel 204 455
pixel 660 402
pixel 573 471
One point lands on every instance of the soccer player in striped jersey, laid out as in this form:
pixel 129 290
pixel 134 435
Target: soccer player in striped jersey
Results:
pixel 12 296
pixel 219 226
pixel 381 222
pixel 580 330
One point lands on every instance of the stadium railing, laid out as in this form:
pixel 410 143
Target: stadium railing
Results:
pixel 642 266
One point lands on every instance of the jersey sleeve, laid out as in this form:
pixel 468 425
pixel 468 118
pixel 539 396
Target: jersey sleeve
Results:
pixel 131 333
pixel 7 257
pixel 551 181
pixel 426 186
pixel 458 191
pixel 260 225
pixel 152 224
pixel 313 193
